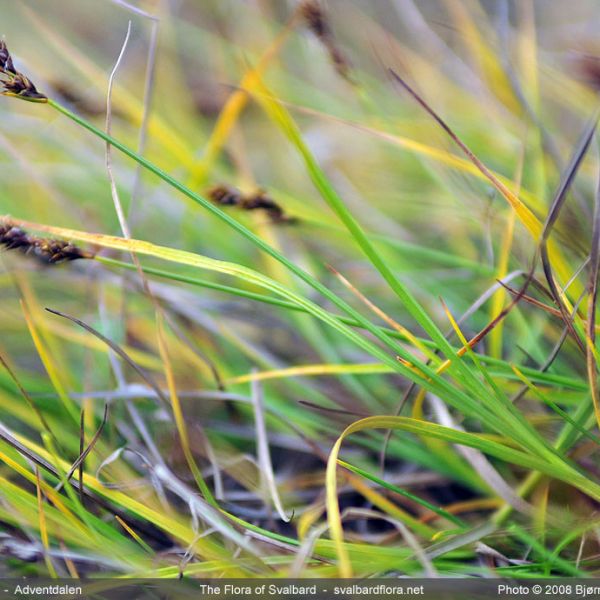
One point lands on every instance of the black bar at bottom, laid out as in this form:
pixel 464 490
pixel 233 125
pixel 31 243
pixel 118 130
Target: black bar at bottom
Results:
pixel 301 589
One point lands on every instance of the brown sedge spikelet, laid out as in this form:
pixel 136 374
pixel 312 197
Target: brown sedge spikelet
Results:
pixel 224 195
pixel 588 66
pixel 13 82
pixel 47 251
pixel 317 21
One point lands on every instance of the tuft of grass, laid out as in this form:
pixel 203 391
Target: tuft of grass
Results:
pixel 318 248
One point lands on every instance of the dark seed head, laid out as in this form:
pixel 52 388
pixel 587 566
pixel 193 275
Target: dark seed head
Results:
pixel 317 21
pixel 6 63
pixel 55 251
pixel 15 83
pixel 261 200
pixel 224 195
pixel 13 237
pixel 315 18
pixel 589 68
pixel 47 251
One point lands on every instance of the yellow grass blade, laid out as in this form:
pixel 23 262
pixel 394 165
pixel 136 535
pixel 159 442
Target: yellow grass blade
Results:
pixel 43 529
pixel 173 527
pixel 486 58
pixel 231 111
pixel 48 490
pixel 134 535
pixel 49 365
pixel 312 370
pixel 178 413
pixel 495 337
pixel 561 470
